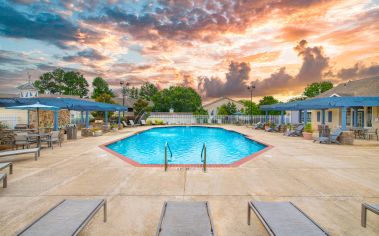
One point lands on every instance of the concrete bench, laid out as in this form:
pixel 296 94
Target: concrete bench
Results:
pixel 4 178
pixel 371 207
pixel 5 165
pixel 21 151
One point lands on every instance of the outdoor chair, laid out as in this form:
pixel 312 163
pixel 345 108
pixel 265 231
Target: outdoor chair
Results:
pixel 372 133
pixel 124 123
pixel 332 138
pixel 69 217
pixel 22 139
pixel 21 151
pixel 52 138
pixel 284 219
pixel 371 207
pixel 4 178
pixel 143 122
pixel 185 218
pixel 297 132
pixel 276 128
pixel 131 122
pixel 259 125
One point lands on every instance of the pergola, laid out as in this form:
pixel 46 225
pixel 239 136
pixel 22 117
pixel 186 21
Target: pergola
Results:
pixel 69 104
pixel 323 104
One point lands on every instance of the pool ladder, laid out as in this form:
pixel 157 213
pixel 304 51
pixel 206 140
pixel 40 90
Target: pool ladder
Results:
pixel 203 154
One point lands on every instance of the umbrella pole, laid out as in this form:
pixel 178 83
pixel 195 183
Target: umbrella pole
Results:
pixel 38 120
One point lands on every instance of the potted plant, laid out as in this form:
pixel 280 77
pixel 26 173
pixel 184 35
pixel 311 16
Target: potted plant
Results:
pixel 97 132
pixel 307 133
pixel 114 127
pixel 267 125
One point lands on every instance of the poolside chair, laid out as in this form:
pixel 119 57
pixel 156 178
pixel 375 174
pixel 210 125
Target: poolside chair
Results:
pixel 297 132
pixel 131 122
pixel 332 137
pixel 371 207
pixel 284 219
pixel 259 125
pixel 69 217
pixel 54 137
pixel 4 178
pixel 22 139
pixel 124 123
pixel 143 122
pixel 185 218
pixel 276 128
pixel 372 133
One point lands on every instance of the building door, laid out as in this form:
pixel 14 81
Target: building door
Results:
pixel 360 118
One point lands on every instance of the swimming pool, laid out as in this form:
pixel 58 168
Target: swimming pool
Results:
pixel 186 142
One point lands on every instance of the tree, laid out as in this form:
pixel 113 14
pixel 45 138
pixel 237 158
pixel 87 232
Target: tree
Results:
pixel 201 111
pixel 147 91
pixel 268 100
pixel 106 98
pixel 141 105
pixel 132 92
pixel 61 82
pixel 315 89
pixel 181 99
pixel 248 105
pixel 294 99
pixel 227 109
pixel 75 84
pixel 100 86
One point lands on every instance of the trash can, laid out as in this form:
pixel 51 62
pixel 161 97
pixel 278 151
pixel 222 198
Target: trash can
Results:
pixel 72 131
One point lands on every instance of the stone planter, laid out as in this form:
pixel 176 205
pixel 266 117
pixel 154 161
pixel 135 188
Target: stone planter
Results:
pixel 347 138
pixel 307 136
pixel 97 133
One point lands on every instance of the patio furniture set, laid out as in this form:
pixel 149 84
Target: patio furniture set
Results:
pixel 70 216
pixel 366 133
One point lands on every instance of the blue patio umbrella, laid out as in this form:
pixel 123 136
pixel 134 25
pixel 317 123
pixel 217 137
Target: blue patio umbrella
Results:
pixel 35 107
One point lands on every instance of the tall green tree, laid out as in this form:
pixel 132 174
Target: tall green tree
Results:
pixel 181 99
pixel 250 105
pixel 132 92
pixel 61 82
pixel 106 98
pixel 147 91
pixel 141 106
pixel 227 109
pixel 100 86
pixel 268 100
pixel 315 89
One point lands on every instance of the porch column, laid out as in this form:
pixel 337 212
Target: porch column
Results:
pixel 28 118
pixel 343 120
pixel 266 117
pixel 81 117
pixel 119 119
pixel 305 116
pixel 56 114
pixel 299 116
pixel 281 117
pixel 106 119
pixel 355 117
pixel 323 116
pixel 87 119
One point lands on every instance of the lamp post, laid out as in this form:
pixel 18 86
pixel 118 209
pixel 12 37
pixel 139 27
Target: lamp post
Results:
pixel 251 88
pixel 124 86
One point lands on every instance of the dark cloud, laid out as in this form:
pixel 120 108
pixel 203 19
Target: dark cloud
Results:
pixel 91 54
pixel 359 70
pixel 235 84
pixel 44 26
pixel 311 70
pixel 13 58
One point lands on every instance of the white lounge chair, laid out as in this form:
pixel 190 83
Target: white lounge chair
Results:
pixel 143 122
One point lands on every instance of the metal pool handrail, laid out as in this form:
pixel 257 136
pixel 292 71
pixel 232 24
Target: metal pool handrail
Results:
pixel 204 151
pixel 166 146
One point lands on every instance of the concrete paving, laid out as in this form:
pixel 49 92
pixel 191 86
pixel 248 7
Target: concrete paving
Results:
pixel 328 182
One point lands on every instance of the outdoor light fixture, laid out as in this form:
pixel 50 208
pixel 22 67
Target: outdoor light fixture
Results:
pixel 251 88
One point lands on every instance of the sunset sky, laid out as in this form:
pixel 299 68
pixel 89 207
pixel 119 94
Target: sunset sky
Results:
pixel 286 44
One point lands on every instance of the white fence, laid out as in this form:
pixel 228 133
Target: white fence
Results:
pixel 206 119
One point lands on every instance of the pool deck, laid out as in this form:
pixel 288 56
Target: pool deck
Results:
pixel 328 182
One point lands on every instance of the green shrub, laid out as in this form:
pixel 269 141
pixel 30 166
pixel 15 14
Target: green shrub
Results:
pixel 149 122
pixel 159 122
pixel 308 128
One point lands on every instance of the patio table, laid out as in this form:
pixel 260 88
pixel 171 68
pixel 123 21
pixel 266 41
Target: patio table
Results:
pixel 39 136
pixel 359 132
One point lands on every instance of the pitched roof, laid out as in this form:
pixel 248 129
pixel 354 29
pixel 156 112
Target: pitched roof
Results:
pixel 27 86
pixel 365 87
pixel 220 99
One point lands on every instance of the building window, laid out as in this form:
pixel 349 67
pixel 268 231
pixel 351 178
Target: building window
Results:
pixel 369 117
pixel 348 116
pixel 318 116
pixel 330 116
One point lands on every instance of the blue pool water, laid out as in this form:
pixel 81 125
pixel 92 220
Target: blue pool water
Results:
pixel 186 142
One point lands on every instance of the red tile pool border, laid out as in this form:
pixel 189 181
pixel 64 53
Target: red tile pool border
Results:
pixel 234 164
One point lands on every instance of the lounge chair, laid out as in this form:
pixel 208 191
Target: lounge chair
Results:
pixel 331 139
pixel 21 151
pixel 372 133
pixel 274 129
pixel 284 219
pixel 124 123
pixel 143 122
pixel 7 165
pixel 22 139
pixel 131 122
pixel 371 207
pixel 69 217
pixel 297 132
pixel 4 178
pixel 185 218
pixel 259 125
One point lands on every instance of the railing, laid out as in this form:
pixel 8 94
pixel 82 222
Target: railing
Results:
pixel 174 119
pixel 204 151
pixel 166 147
